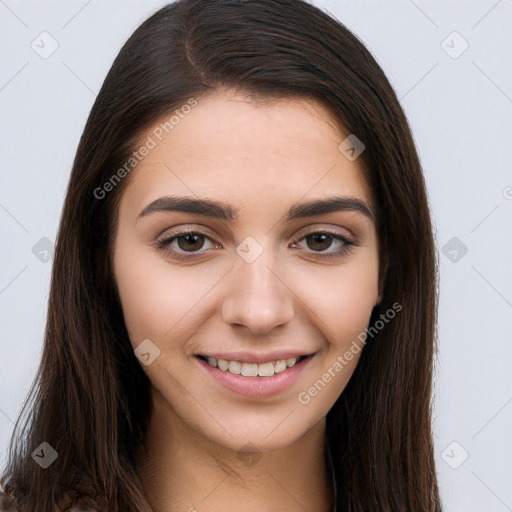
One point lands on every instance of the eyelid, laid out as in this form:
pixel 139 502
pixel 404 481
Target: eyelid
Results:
pixel 184 229
pixel 320 228
pixel 163 244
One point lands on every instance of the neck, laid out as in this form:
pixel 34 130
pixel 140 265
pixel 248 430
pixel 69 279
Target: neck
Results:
pixel 183 471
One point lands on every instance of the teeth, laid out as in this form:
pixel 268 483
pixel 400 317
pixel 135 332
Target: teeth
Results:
pixel 265 369
pixel 252 369
pixel 248 369
pixel 235 367
pixel 291 361
pixel 222 363
pixel 280 366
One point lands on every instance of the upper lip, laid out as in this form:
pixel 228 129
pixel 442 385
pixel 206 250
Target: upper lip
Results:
pixel 251 357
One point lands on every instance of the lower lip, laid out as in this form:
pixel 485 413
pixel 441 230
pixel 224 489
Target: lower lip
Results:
pixel 257 387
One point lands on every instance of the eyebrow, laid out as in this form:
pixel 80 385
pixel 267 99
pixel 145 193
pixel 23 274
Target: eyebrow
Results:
pixel 224 211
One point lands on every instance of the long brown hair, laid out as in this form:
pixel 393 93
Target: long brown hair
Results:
pixel 90 397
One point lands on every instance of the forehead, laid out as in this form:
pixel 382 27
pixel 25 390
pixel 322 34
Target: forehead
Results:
pixel 233 147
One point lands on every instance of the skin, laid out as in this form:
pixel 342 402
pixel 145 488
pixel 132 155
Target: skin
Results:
pixel 261 159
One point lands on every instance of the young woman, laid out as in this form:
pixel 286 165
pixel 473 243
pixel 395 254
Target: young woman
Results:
pixel 242 312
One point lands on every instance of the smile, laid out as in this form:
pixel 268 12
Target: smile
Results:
pixel 248 369
pixel 255 376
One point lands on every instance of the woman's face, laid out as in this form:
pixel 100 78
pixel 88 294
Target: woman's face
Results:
pixel 274 269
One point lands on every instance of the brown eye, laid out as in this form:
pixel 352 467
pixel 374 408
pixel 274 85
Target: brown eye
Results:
pixel 319 241
pixel 186 244
pixel 323 244
pixel 190 242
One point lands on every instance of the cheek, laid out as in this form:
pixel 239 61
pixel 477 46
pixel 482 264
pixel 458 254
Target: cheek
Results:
pixel 158 300
pixel 343 298
pixel 144 296
pixel 343 306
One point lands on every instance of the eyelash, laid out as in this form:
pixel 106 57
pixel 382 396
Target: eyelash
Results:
pixel 164 245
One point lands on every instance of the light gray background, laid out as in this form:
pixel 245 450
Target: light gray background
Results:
pixel 460 110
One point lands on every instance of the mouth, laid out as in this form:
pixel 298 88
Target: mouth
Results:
pixel 256 376
pixel 253 369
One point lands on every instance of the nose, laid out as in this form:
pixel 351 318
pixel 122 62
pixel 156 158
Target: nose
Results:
pixel 257 297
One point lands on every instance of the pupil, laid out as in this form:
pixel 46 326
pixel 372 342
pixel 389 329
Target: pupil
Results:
pixel 321 238
pixel 190 239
